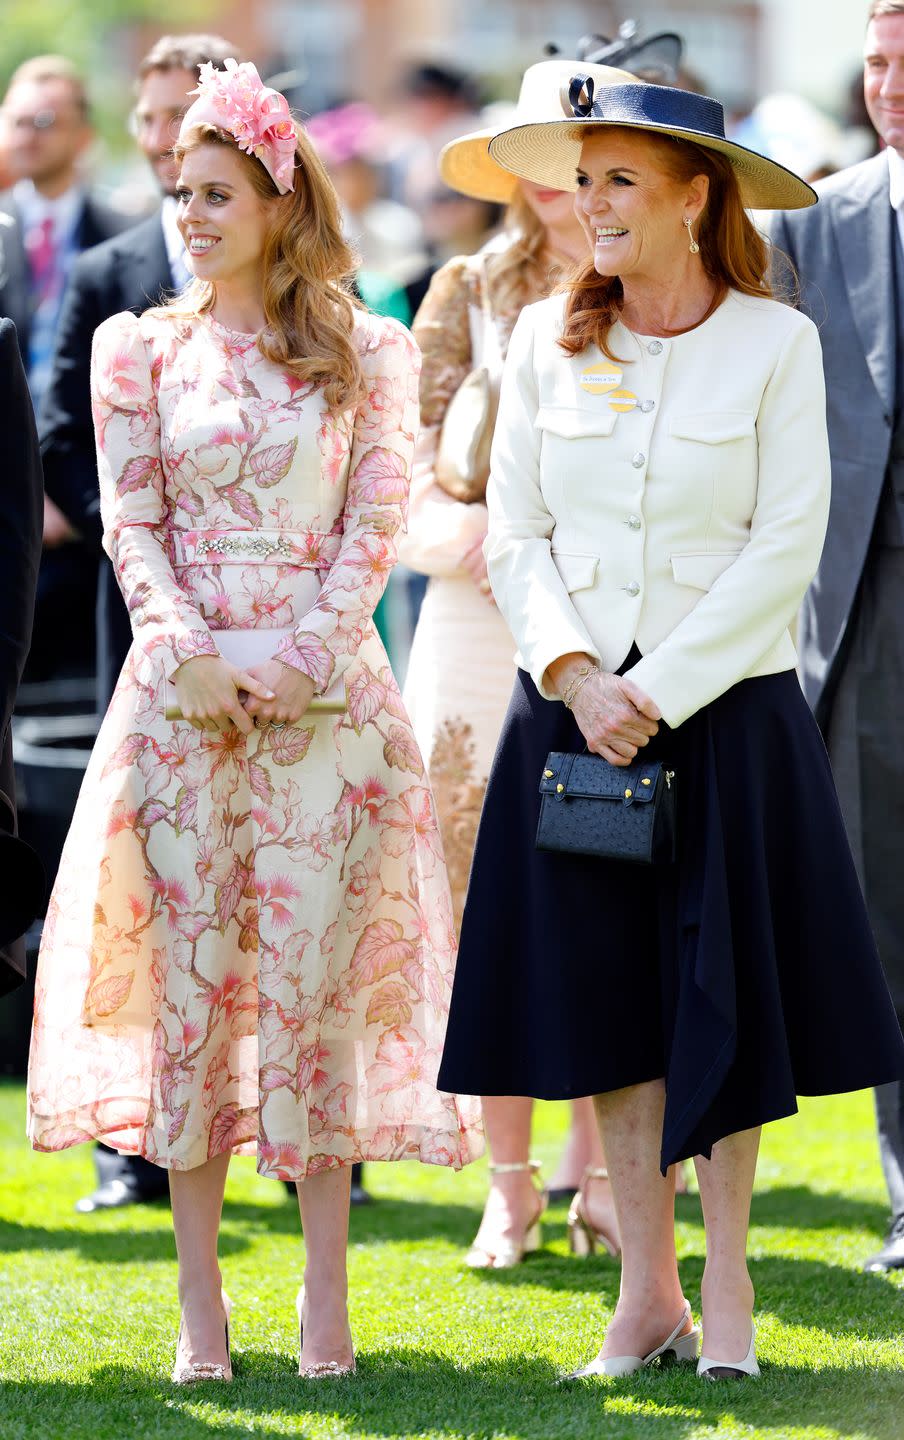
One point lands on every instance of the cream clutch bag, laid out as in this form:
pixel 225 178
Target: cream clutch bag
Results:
pixel 247 648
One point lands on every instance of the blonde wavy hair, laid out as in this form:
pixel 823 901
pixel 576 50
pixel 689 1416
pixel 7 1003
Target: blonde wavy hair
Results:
pixel 308 271
pixel 523 271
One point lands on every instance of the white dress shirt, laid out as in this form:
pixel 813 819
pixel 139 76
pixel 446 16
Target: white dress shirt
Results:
pixel 677 499
pixel 896 188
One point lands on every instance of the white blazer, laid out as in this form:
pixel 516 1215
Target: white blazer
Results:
pixel 678 498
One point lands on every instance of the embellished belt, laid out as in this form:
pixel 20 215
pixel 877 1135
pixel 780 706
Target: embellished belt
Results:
pixel 306 549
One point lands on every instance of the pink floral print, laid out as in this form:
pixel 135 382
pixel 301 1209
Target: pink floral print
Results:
pixel 249 944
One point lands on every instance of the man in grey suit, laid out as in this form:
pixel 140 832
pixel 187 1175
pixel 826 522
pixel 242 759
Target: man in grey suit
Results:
pixel 849 254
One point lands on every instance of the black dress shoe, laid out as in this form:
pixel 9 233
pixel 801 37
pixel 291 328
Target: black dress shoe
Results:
pixel 891 1256
pixel 113 1195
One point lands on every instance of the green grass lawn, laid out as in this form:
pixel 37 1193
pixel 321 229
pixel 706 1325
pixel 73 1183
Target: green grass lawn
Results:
pixel 88 1310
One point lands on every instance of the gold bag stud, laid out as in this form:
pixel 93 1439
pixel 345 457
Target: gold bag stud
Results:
pixel 559 789
pixel 628 794
pixel 548 774
pixel 646 782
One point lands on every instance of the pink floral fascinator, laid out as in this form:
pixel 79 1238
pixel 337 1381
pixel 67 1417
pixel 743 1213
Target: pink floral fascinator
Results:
pixel 258 119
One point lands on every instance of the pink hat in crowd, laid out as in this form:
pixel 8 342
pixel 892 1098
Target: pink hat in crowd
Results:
pixel 258 119
pixel 348 132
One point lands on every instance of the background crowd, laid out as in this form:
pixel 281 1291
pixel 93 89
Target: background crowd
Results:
pixel 74 181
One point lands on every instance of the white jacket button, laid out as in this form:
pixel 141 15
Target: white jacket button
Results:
pixel 639 460
pixel 634 522
pixel 655 347
pixel 647 405
pixel 632 588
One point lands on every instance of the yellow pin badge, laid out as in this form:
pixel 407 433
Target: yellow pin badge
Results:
pixel 604 378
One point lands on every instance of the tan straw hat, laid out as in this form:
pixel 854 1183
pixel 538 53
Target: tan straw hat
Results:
pixel 465 164
pixel 548 151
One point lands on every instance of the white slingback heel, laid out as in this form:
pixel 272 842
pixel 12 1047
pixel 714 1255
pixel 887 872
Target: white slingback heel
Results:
pixel 681 1347
pixel 731 1370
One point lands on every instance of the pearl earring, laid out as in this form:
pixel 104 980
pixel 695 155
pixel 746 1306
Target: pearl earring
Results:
pixel 695 248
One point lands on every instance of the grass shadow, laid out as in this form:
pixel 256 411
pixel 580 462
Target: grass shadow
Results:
pixel 387 1221
pixel 806 1209
pixel 92 1241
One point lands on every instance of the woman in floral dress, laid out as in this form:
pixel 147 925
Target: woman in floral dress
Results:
pixel 250 943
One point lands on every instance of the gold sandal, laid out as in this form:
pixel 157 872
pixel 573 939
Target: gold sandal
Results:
pixel 583 1238
pixel 510 1250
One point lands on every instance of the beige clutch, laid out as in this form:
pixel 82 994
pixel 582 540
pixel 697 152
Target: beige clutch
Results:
pixel 463 453
pixel 247 648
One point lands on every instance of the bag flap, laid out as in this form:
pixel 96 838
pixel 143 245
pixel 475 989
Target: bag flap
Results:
pixel 590 777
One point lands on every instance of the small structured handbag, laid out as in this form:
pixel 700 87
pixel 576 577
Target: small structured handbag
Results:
pixel 462 466
pixel 589 807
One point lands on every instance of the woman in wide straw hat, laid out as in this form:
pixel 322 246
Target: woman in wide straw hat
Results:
pixel 658 501
pixel 462 668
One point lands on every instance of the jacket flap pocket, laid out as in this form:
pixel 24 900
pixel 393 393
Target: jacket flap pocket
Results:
pixel 577 571
pixel 574 424
pixel 712 427
pixel 702 569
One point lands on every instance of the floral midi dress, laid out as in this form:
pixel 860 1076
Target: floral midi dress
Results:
pixel 250 943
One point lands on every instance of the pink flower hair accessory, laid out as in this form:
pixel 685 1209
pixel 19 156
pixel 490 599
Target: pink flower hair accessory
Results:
pixel 258 119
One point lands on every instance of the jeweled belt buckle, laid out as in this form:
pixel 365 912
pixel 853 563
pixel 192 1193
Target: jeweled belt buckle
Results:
pixel 244 545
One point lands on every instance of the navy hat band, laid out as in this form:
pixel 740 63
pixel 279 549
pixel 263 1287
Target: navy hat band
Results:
pixel 659 105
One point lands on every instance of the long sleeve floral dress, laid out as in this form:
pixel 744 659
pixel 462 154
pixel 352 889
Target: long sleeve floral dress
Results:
pixel 250 942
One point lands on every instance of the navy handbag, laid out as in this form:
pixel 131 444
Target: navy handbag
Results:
pixel 589 807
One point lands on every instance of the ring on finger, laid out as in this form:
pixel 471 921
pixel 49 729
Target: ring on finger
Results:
pixel 277 724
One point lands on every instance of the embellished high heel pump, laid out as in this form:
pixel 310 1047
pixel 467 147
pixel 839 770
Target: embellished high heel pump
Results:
pixel 676 1347
pixel 583 1238
pixel 186 1372
pixel 322 1369
pixel 731 1370
pixel 510 1250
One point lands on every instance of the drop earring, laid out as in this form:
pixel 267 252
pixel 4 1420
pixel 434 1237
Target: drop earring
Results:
pixel 695 248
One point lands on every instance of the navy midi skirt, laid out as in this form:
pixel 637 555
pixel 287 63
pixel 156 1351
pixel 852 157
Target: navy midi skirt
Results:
pixel 743 975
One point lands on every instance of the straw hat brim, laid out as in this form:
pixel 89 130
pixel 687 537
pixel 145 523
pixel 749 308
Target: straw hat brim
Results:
pixel 549 152
pixel 465 166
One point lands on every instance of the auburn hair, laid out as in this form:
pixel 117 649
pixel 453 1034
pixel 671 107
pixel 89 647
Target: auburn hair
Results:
pixel 734 255
pixel 308 272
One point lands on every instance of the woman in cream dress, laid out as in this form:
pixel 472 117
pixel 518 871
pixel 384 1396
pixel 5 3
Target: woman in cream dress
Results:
pixel 462 667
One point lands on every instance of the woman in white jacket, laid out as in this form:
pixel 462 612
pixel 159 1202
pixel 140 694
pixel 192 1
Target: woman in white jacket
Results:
pixel 658 502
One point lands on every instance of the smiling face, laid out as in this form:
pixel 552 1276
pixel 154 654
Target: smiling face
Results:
pixel 883 78
pixel 631 209
pixel 223 219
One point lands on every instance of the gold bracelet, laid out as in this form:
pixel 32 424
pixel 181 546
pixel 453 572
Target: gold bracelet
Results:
pixel 572 689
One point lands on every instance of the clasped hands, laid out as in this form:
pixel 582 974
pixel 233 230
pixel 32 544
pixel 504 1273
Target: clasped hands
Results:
pixel 213 695
pixel 613 714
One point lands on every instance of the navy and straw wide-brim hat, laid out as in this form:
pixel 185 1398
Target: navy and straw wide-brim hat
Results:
pixel 548 152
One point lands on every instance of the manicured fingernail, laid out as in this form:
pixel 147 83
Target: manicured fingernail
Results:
pixel 271 694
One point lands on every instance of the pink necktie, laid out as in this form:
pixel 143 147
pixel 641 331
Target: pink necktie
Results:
pixel 42 259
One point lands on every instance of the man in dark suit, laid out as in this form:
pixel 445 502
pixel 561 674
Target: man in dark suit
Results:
pixel 849 253
pixel 133 271
pixel 21 502
pixel 46 220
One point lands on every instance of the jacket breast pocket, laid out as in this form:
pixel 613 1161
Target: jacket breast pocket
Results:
pixel 701 569
pixel 567 422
